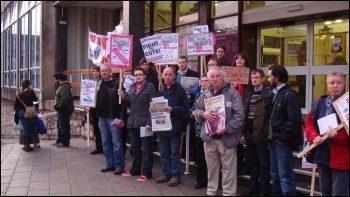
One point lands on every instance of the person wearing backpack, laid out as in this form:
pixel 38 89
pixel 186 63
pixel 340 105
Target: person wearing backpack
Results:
pixel 25 99
pixel 284 132
pixel 332 154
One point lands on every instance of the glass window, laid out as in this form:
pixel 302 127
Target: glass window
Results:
pixel 23 51
pixel 186 11
pixel 13 41
pixel 162 14
pixel 35 47
pixel 221 8
pixel 319 85
pixel 331 40
pixel 256 4
pixel 23 7
pixel 14 11
pixel 226 33
pixel 147 16
pixel 284 45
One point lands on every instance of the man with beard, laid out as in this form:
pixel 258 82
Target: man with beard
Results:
pixel 284 132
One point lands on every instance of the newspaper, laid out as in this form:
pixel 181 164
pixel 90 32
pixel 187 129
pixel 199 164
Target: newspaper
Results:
pixel 188 83
pixel 217 105
pixel 160 119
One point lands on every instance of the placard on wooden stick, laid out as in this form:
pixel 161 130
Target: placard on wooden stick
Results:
pixel 341 106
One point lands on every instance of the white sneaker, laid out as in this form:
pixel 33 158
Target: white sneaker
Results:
pixel 36 145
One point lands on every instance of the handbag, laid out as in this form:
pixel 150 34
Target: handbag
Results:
pixel 18 126
pixel 30 112
pixel 41 126
pixel 310 155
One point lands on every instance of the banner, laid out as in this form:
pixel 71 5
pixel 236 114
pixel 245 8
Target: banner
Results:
pixel 120 51
pixel 151 48
pixel 169 44
pixel 200 44
pixel 239 75
pixel 88 93
pixel 97 49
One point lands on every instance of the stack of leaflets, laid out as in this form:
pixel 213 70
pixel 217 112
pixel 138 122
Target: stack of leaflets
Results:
pixel 160 119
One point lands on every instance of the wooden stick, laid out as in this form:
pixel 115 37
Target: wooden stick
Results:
pixel 88 128
pixel 120 84
pixel 341 125
pixel 313 178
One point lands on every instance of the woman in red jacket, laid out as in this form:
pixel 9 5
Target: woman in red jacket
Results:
pixel 332 154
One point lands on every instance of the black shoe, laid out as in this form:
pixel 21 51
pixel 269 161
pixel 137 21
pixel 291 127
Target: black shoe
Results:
pixel 197 186
pixel 60 145
pixel 244 171
pixel 96 151
pixel 251 193
pixel 107 169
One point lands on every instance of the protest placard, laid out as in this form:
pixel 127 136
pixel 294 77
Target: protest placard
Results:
pixel 239 75
pixel 88 93
pixel 169 44
pixel 121 51
pixel 129 80
pixel 200 44
pixel 200 29
pixel 188 83
pixel 215 104
pixel 341 106
pixel 151 48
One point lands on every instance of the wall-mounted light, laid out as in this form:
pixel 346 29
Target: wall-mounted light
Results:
pixel 327 22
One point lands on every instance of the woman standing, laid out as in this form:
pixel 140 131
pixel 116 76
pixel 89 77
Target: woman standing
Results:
pixel 241 59
pixel 332 154
pixel 26 96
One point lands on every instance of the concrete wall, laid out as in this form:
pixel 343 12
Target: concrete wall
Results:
pixel 78 124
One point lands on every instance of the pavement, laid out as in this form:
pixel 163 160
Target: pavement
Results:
pixel 72 171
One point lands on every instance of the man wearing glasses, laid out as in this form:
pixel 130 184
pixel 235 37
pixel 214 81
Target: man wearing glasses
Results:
pixel 138 100
pixel 254 135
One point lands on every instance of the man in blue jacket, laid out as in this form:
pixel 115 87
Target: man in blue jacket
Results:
pixel 169 141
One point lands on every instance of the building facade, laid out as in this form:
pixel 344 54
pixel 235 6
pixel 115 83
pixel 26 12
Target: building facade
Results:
pixel 39 38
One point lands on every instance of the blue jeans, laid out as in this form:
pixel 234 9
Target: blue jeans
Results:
pixel 281 170
pixel 169 148
pixel 142 157
pixel 29 124
pixel 112 143
pixel 258 159
pixel 63 126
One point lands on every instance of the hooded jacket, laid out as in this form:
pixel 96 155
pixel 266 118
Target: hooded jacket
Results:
pixel 64 99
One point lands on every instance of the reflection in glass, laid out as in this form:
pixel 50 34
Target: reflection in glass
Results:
pixel 220 8
pixel 330 42
pixel 184 31
pixel 188 11
pixel 284 45
pixel 162 14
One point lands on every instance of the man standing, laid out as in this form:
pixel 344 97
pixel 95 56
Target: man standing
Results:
pixel 184 71
pixel 108 110
pixel 221 148
pixel 151 75
pixel 138 101
pixel 93 114
pixel 284 132
pixel 64 106
pixel 254 135
pixel 169 141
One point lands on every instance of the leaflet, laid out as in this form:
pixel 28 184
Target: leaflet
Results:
pixel 160 119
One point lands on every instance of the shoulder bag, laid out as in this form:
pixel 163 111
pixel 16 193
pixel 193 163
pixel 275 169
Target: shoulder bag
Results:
pixel 30 112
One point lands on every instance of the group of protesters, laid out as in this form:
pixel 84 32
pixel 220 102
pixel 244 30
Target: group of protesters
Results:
pixel 266 120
